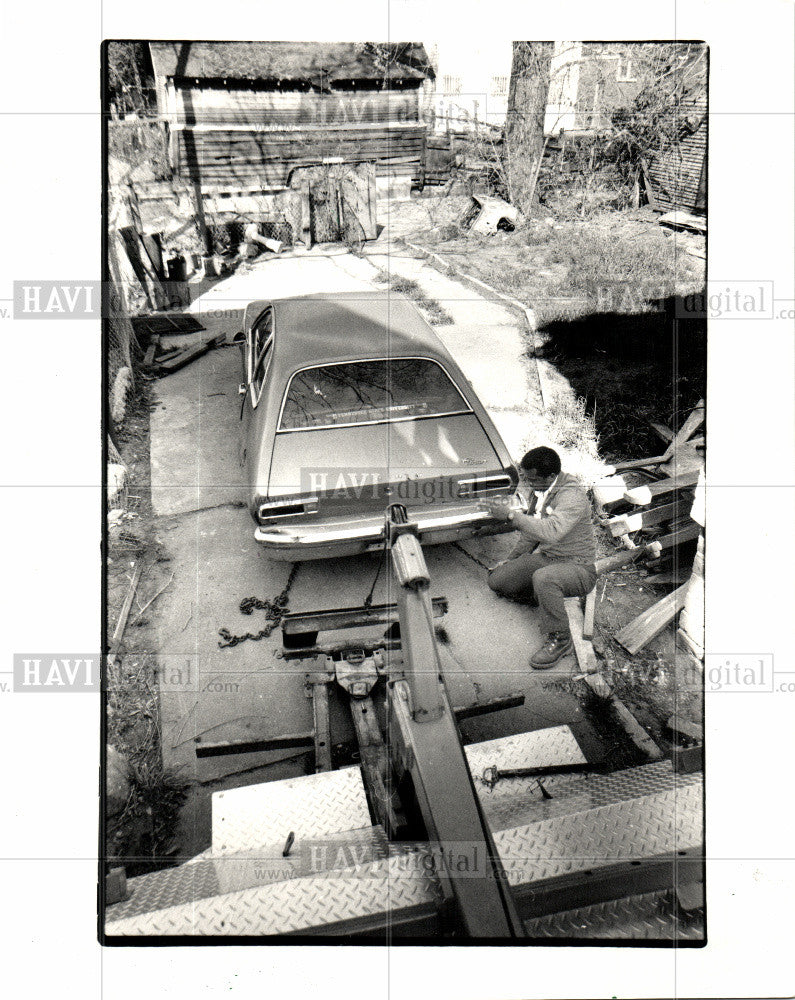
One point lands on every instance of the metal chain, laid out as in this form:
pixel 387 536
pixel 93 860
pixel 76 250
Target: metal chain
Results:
pixel 470 556
pixel 275 611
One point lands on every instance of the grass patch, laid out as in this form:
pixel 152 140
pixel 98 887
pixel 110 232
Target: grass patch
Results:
pixel 604 295
pixel 142 835
pixel 437 314
pixel 560 269
pixel 569 424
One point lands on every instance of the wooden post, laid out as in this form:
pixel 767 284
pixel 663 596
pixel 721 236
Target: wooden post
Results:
pixel 322 727
pixel 590 609
pixel 586 656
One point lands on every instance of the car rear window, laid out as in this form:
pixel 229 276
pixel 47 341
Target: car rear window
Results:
pixel 362 391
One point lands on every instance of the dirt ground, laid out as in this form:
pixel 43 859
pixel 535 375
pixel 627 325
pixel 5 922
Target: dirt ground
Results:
pixel 143 831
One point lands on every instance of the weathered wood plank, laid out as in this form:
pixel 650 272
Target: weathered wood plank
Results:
pixel 320 712
pixel 124 614
pixel 635 731
pixel 662 431
pixel 586 655
pixel 639 463
pixel 642 495
pixel 692 730
pixel 191 354
pixel 151 350
pixel 623 523
pixel 694 420
pixel 687 533
pixel 641 630
pixel 588 617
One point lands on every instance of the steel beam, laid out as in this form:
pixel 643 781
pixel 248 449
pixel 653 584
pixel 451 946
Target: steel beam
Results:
pixel 431 752
pixel 340 618
pixel 254 746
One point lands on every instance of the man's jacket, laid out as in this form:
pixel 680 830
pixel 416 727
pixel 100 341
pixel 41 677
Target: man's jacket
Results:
pixel 564 530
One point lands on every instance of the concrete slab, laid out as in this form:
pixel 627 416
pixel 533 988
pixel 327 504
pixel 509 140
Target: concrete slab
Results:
pixel 194 435
pixel 307 273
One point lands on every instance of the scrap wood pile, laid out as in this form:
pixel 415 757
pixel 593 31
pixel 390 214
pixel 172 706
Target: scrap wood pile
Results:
pixel 651 521
pixel 657 517
pixel 161 358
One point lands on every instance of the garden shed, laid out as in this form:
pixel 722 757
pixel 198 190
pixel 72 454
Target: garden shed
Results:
pixel 246 114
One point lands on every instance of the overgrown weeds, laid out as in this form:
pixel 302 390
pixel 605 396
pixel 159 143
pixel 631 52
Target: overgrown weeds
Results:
pixel 142 835
pixel 570 425
pixel 436 313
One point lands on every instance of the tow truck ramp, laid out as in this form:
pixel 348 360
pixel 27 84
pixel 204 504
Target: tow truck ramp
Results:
pixel 598 857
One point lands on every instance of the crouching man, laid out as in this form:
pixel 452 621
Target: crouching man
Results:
pixel 555 555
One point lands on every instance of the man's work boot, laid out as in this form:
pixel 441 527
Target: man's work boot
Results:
pixel 558 644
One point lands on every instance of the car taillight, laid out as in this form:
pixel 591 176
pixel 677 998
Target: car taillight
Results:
pixel 277 510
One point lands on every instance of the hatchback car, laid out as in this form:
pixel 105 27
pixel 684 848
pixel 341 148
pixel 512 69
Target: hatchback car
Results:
pixel 351 403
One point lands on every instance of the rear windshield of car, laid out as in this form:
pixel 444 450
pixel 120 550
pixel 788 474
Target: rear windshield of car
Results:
pixel 367 391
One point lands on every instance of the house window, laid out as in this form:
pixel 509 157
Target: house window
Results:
pixel 625 70
pixel 451 85
pixel 499 86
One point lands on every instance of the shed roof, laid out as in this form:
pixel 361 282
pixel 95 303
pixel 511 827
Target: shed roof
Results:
pixel 333 61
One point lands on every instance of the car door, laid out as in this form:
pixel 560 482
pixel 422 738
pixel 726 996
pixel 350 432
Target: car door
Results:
pixel 257 358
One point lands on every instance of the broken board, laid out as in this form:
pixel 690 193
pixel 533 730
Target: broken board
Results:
pixel 641 630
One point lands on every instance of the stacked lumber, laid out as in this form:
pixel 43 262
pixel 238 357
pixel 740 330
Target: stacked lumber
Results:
pixel 656 513
pixel 656 516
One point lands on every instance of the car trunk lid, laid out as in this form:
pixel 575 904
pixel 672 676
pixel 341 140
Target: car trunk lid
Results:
pixel 364 468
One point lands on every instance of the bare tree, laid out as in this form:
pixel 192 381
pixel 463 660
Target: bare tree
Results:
pixel 524 127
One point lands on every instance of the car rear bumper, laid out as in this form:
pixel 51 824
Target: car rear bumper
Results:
pixel 353 536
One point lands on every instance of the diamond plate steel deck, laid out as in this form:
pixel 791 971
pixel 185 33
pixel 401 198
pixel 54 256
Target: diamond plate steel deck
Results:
pixel 205 877
pixel 578 793
pixel 652 917
pixel 628 830
pixel 555 745
pixel 315 805
pixel 286 907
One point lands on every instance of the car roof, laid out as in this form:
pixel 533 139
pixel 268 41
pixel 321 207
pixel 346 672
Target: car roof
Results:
pixel 346 326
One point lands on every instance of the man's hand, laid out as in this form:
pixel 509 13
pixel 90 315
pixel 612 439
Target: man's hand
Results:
pixel 499 508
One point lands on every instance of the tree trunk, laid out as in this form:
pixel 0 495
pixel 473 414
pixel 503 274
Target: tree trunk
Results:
pixel 524 129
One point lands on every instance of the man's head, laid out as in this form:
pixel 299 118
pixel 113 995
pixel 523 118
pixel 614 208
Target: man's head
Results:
pixel 539 467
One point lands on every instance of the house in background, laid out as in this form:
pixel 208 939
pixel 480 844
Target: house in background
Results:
pixel 471 83
pixel 589 81
pixel 246 114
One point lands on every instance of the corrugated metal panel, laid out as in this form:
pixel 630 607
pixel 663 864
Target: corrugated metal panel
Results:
pixel 677 175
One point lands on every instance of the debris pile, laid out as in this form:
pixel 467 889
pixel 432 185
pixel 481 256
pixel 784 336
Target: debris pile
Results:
pixel 652 521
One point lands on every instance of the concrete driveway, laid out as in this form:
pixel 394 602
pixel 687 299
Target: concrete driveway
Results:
pixel 245 691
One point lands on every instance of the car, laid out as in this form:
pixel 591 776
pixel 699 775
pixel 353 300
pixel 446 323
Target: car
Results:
pixel 351 403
